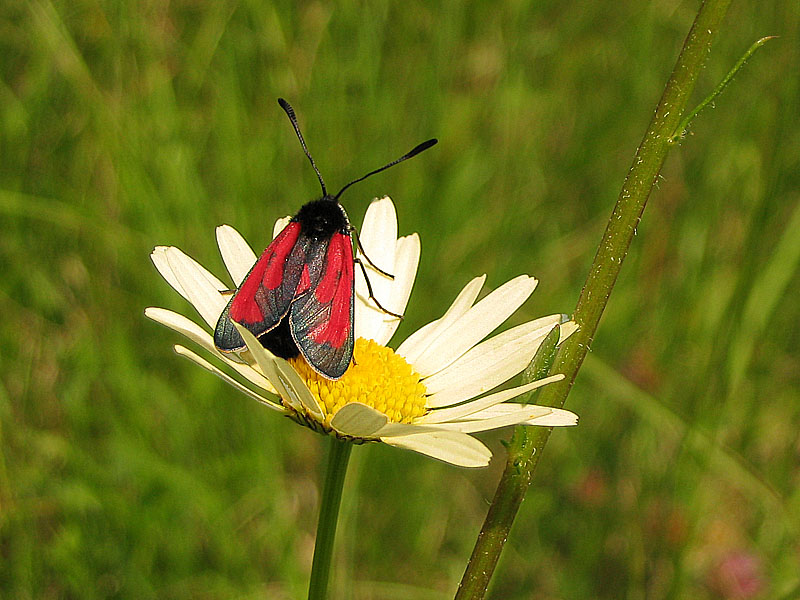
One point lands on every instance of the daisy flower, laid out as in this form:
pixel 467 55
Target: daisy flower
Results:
pixel 428 395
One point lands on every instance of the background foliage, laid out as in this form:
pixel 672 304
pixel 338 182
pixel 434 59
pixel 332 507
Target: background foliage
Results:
pixel 128 473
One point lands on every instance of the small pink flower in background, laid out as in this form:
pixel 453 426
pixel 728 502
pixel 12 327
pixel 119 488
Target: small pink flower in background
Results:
pixel 738 576
pixel 592 488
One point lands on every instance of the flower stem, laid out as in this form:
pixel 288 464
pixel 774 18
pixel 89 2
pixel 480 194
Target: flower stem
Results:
pixel 641 178
pixel 338 457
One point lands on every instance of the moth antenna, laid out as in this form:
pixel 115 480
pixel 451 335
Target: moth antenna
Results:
pixel 293 118
pixel 420 148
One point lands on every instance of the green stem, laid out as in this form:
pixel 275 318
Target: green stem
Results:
pixel 338 457
pixel 602 276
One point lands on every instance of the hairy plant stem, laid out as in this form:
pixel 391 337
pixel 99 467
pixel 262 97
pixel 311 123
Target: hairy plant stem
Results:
pixel 526 447
pixel 338 457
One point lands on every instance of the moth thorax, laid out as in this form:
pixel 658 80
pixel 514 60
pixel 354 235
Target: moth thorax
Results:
pixel 322 218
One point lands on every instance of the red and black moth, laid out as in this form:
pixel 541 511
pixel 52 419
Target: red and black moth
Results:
pixel 299 296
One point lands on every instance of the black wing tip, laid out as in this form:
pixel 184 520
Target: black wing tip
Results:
pixel 228 340
pixel 329 369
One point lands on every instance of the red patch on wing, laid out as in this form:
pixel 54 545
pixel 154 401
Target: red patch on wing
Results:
pixel 336 288
pixel 266 273
pixel 328 283
pixel 305 281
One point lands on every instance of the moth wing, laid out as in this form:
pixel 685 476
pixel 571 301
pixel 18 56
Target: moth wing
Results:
pixel 226 338
pixel 266 293
pixel 321 316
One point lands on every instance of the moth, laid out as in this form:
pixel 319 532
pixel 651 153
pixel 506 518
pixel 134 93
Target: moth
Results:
pixel 299 296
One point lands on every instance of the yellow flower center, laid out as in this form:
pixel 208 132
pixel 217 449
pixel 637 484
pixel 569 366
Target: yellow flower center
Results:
pixel 378 378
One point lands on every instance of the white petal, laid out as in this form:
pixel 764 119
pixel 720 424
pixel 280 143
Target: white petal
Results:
pixel 449 446
pixel 282 376
pixel 183 262
pixel 488 364
pixel 159 258
pixel 358 420
pixel 280 225
pixel 462 410
pixel 195 358
pixel 378 228
pixel 473 426
pixel 391 430
pixel 200 336
pixel 418 341
pixel 369 318
pixel 557 418
pixel 476 324
pixel 236 253
pixel 194 282
pixel 567 329
pixel 492 411
pixel 296 387
pixel 406 264
pixel 181 324
pixel 528 414
pixel 405 271
pixel 378 238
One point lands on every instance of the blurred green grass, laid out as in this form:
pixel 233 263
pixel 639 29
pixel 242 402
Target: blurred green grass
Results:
pixel 128 473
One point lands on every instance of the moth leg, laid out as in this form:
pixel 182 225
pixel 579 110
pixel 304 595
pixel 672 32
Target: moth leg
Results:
pixel 369 288
pixel 371 264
